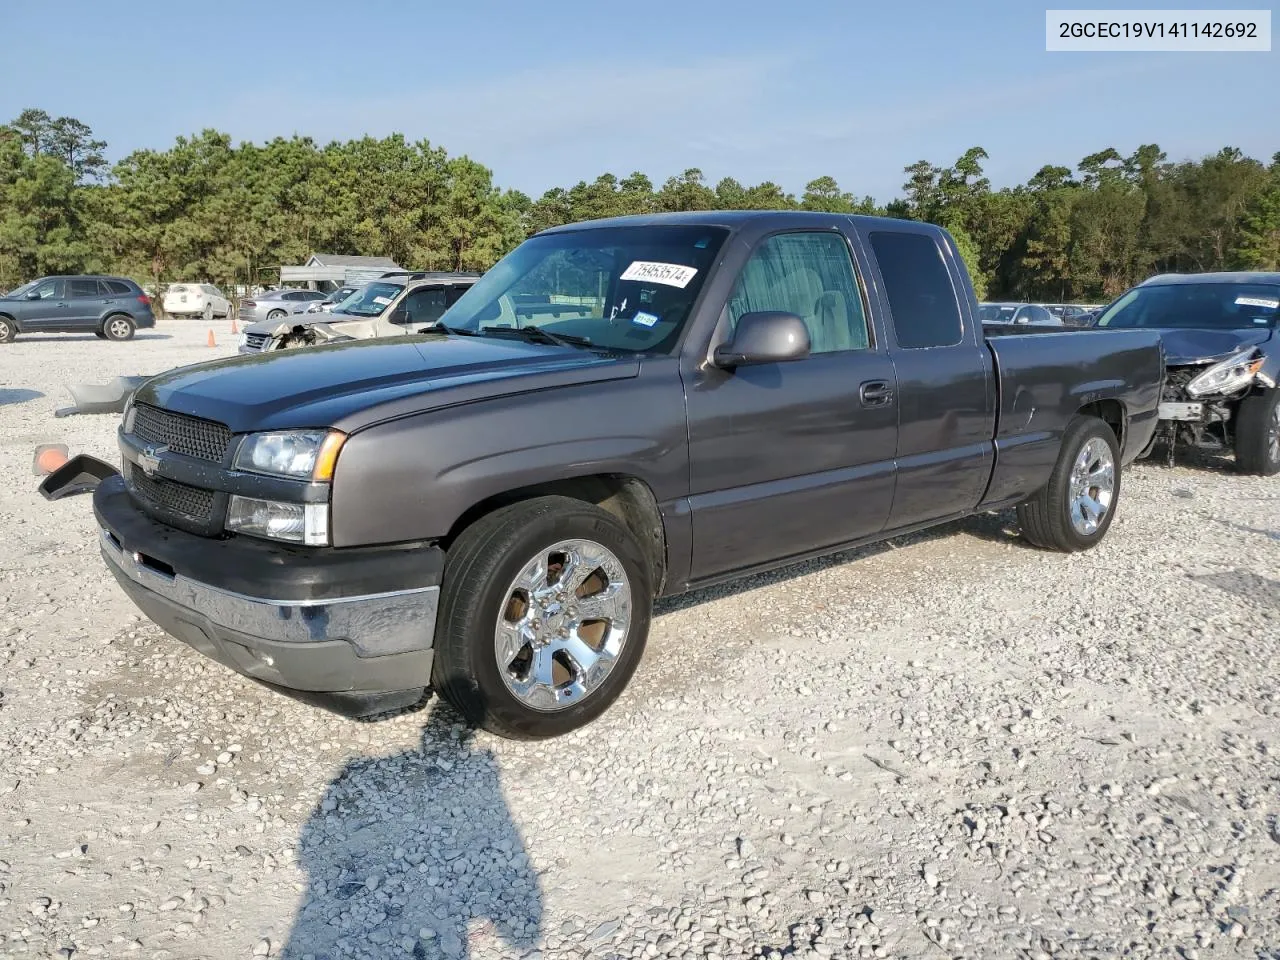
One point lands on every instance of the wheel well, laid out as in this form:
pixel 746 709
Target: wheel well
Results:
pixel 1110 412
pixel 627 498
pixel 13 320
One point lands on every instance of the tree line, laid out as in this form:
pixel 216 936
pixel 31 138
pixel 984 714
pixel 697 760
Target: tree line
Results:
pixel 209 210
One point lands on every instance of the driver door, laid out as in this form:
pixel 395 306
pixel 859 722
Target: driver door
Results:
pixel 45 307
pixel 788 458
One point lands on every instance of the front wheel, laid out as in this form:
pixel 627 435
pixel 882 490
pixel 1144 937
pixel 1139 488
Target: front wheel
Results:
pixel 118 327
pixel 544 614
pixel 1075 508
pixel 1258 434
pixel 7 330
pixel 208 313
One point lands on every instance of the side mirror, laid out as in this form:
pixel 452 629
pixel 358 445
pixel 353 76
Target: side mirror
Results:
pixel 769 336
pixel 33 296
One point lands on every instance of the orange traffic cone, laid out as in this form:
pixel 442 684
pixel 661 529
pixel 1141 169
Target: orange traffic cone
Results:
pixel 212 342
pixel 234 329
pixel 49 457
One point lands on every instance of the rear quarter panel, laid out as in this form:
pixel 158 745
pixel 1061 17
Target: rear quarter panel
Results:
pixel 1045 379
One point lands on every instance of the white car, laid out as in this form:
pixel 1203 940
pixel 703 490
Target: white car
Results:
pixel 202 300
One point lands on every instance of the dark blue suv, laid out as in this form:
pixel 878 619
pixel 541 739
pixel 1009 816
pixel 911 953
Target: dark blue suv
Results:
pixel 111 308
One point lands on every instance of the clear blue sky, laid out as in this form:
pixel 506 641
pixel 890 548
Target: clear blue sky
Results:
pixel 547 93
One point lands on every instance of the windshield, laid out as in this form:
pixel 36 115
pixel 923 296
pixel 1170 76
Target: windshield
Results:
pixel 23 290
pixel 1190 306
pixel 620 288
pixel 371 300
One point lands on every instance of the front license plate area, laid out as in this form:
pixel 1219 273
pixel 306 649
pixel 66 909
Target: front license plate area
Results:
pixel 1181 411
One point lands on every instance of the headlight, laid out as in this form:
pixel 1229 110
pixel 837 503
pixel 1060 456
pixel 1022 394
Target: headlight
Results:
pixel 127 420
pixel 244 340
pixel 306 523
pixel 297 454
pixel 1227 376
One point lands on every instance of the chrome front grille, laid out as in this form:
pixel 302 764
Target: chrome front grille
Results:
pixel 191 502
pixel 255 341
pixel 191 436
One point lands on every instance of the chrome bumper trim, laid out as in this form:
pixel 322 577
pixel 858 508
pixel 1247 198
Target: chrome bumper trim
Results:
pixel 374 624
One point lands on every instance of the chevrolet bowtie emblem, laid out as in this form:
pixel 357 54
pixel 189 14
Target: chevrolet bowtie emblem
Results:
pixel 149 459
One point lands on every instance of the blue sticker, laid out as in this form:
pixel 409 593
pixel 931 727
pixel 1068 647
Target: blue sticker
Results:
pixel 645 319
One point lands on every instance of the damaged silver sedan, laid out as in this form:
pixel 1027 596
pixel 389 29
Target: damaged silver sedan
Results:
pixel 1221 335
pixel 388 307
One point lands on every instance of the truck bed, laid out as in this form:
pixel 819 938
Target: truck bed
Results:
pixel 1038 379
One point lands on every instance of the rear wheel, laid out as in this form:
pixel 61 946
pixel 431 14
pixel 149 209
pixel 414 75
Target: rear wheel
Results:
pixel 275 315
pixel 544 614
pixel 208 312
pixel 118 327
pixel 1258 434
pixel 1075 508
pixel 7 330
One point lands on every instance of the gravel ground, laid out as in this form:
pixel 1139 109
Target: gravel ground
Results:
pixel 955 746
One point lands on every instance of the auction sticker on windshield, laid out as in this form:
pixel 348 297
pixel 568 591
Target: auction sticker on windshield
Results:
pixel 671 274
pixel 1258 302
pixel 382 300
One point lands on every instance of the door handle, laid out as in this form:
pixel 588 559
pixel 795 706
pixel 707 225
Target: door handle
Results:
pixel 875 393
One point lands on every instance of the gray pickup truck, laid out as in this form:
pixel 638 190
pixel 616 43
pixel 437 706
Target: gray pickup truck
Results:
pixel 490 508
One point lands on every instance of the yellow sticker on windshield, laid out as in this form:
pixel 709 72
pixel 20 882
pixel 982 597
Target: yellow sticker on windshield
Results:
pixel 671 274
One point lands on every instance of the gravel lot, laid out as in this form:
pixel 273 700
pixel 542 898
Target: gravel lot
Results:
pixel 956 746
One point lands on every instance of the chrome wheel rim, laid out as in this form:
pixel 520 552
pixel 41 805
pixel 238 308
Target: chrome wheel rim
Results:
pixel 563 623
pixel 119 329
pixel 1273 435
pixel 1093 486
pixel 4 329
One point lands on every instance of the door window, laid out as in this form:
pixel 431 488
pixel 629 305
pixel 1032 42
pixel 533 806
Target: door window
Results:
pixel 424 306
pixel 83 289
pixel 47 290
pixel 921 297
pixel 810 275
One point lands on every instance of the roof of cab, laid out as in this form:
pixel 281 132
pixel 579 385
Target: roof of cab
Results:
pixel 1239 276
pixel 734 219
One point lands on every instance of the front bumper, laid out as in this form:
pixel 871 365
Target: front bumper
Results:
pixel 352 650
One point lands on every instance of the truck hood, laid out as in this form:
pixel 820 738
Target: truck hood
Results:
pixel 1188 347
pixel 356 383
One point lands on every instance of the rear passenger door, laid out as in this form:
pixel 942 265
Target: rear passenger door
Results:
pixel 946 390
pixel 85 302
pixel 788 458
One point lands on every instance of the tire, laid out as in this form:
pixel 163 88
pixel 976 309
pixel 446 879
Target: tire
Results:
pixel 482 584
pixel 276 315
pixel 1056 518
pixel 208 313
pixel 118 327
pixel 8 330
pixel 1258 434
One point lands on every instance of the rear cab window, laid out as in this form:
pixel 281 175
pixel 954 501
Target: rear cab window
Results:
pixel 922 299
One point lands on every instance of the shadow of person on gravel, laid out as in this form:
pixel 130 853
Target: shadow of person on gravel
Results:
pixel 416 855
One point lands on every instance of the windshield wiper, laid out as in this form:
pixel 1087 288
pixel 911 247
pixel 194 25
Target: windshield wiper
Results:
pixel 539 335
pixel 441 328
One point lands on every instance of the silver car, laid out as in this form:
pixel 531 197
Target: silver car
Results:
pixel 1019 313
pixel 277 304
